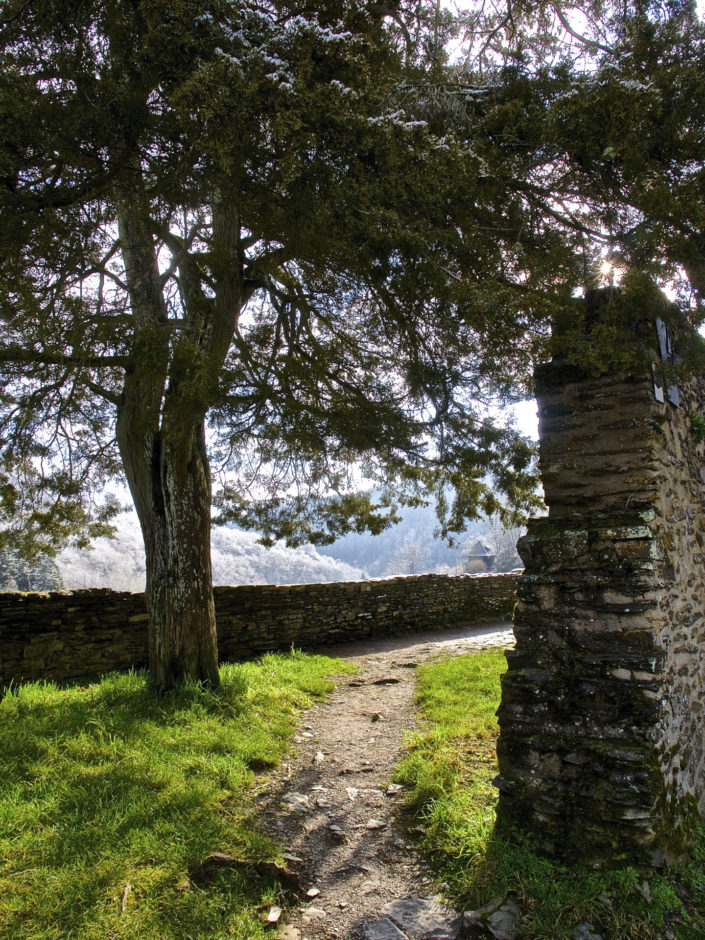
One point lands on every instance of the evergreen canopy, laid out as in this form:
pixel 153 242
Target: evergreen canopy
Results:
pixel 283 243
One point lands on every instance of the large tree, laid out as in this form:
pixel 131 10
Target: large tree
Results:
pixel 271 249
pixel 220 235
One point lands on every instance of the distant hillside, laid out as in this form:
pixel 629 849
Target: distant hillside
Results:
pixel 406 545
pixel 237 559
pixel 406 548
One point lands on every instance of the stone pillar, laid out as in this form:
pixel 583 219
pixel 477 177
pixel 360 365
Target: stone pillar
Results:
pixel 602 732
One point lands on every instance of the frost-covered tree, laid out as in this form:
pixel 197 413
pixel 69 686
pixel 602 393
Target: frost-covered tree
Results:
pixel 226 253
pixel 412 557
pixel 504 540
pixel 237 558
pixel 24 574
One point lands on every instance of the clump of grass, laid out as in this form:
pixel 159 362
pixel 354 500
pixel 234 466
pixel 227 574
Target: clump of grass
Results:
pixel 449 769
pixel 108 795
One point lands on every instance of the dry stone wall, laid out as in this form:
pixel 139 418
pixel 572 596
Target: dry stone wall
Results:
pixel 601 722
pixel 75 634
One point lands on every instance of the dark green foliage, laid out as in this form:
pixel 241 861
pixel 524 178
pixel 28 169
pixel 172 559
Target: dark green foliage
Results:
pixel 349 221
pixel 607 134
pixel 697 422
pixel 407 230
pixel 40 514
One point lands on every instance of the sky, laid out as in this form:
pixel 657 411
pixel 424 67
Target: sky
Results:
pixel 526 418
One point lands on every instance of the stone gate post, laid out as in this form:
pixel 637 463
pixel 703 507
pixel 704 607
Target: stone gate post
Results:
pixel 602 718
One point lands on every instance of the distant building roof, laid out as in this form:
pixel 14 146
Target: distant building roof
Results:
pixel 479 550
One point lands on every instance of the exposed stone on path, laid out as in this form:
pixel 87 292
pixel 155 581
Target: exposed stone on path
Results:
pixel 313 912
pixel 292 859
pixel 497 919
pixel 383 929
pixel 289 933
pixel 296 802
pixel 424 919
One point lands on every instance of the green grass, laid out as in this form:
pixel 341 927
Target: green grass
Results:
pixel 449 768
pixel 107 786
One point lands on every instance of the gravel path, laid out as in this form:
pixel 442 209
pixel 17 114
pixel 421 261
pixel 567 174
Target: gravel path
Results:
pixel 331 806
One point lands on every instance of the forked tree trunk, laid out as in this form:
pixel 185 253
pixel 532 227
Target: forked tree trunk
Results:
pixel 168 475
pixel 160 432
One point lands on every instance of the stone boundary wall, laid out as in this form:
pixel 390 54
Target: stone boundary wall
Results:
pixel 76 634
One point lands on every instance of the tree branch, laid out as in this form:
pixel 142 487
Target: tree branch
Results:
pixel 22 355
pixel 583 39
pixel 104 393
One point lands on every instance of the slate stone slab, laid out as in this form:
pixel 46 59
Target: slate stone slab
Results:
pixel 383 930
pixel 584 932
pixel 424 919
pixel 498 919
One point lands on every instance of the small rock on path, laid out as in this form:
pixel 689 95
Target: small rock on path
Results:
pixel 329 806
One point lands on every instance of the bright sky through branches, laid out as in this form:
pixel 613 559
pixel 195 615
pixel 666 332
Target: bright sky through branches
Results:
pixel 575 24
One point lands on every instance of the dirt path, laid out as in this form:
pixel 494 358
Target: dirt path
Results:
pixel 331 806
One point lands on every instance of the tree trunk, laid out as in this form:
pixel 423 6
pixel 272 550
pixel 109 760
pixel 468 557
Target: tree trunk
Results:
pixel 170 484
pixel 168 475
pixel 168 388
pixel 183 640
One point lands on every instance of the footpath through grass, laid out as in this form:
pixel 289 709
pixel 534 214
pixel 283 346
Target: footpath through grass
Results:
pixel 449 769
pixel 109 796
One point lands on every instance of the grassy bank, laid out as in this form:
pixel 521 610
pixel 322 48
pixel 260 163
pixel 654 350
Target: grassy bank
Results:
pixel 109 797
pixel 449 769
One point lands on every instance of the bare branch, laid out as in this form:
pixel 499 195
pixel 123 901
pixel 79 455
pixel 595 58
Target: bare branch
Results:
pixel 583 39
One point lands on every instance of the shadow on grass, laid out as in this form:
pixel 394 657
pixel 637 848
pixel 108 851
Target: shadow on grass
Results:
pixel 555 900
pixel 108 795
